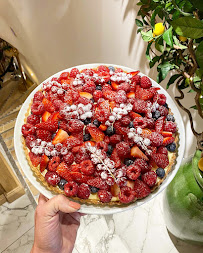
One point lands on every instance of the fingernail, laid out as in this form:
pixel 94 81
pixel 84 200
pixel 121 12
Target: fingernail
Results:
pixel 74 205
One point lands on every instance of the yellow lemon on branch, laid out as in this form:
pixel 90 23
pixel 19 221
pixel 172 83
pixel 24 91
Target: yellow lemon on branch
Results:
pixel 158 29
pixel 183 39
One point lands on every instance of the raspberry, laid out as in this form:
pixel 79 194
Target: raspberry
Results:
pixel 89 86
pixel 159 124
pixel 121 172
pixel 97 95
pixel 118 70
pixel 54 163
pixel 104 196
pixel 125 121
pixel 35 159
pixel 79 136
pixel 74 72
pixel 48 106
pixel 75 167
pixel 52 178
pixel 142 164
pixel 75 125
pixel 98 183
pixel 81 157
pixel 121 181
pixel 109 95
pixel 49 126
pixel 160 98
pixel 107 139
pixel 103 68
pixel 116 138
pixel 163 110
pixel 44 135
pixel 136 79
pixel 87 167
pixel 140 122
pixel 162 150
pixel 131 100
pixel 150 123
pixel 120 97
pixel 149 178
pixel 141 189
pixel 140 106
pixel 156 139
pixel 161 160
pixel 63 125
pixel 120 130
pixel 38 96
pixel 29 140
pixel 124 86
pixel 106 87
pixel 145 82
pixel 170 126
pixel 123 149
pixel 71 189
pixel 82 100
pixel 88 72
pixel 83 191
pixel 144 94
pixel 63 75
pixel 57 104
pixel 126 195
pixel 133 172
pixel 68 97
pixel 37 108
pixel 64 172
pixel 27 129
pixel 69 158
pixel 33 119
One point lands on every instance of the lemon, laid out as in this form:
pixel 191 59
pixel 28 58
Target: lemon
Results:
pixel 200 164
pixel 158 29
pixel 183 39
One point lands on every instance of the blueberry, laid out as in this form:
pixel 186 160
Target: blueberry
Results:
pixel 86 137
pixel 96 123
pixel 110 150
pixel 111 68
pixel 98 87
pixel 160 172
pixel 94 189
pixel 62 183
pixel 128 162
pixel 166 105
pixel 87 121
pixel 110 131
pixel 109 82
pixel 131 125
pixel 170 117
pixel 92 100
pixel 156 114
pixel 171 147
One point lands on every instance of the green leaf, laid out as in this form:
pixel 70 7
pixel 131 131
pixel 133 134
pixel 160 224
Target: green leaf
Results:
pixel 165 67
pixel 147 36
pixel 139 30
pixel 199 55
pixel 158 47
pixel 154 60
pixel 147 51
pixel 172 80
pixel 197 4
pixel 154 15
pixel 188 27
pixel 183 85
pixel 190 91
pixel 138 23
pixel 176 15
pixel 168 36
pixel 177 43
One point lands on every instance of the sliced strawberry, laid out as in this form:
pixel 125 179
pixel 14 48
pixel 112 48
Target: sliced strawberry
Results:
pixel 96 133
pixel 103 127
pixel 45 116
pixel 112 104
pixel 116 158
pixel 68 97
pixel 134 73
pixel 98 183
pixel 35 159
pixel 79 177
pixel 49 126
pixel 48 105
pixel 159 124
pixel 166 134
pixel 54 117
pixel 134 115
pixel 168 140
pixel 131 95
pixel 60 137
pixel 115 190
pixel 72 142
pixel 43 163
pixel 144 94
pixel 146 133
pixel 64 171
pixel 114 85
pixel 86 95
pixel 63 75
pixel 136 152
pixel 130 184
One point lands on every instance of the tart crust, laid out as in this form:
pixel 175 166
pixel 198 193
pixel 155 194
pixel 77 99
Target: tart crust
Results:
pixel 93 198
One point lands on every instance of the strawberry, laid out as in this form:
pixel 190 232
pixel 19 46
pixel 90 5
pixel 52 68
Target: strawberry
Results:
pixel 60 137
pixel 161 160
pixel 35 159
pixel 131 95
pixel 72 142
pixel 64 171
pixel 134 73
pixel 96 133
pixel 49 126
pixel 86 95
pixel 98 183
pixel 140 106
pixel 112 104
pixel 43 163
pixel 54 117
pixel 103 127
pixel 146 133
pixel 123 149
pixel 63 75
pixel 141 189
pixel 115 190
pixel 44 135
pixel 79 177
pixel 159 124
pixel 156 139
pixel 75 167
pixel 115 158
pixel 145 82
pixel 114 85
pixel 134 115
pixel 136 152
pixel 45 116
pixel 166 134
pixel 168 140
pixel 144 94
pixel 48 106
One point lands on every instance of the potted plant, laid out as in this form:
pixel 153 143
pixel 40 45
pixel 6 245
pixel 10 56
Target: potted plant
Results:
pixel 173 31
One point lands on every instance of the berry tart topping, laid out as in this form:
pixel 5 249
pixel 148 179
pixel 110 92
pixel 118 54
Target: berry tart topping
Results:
pixel 101 134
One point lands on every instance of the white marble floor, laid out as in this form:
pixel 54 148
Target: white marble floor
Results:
pixel 139 231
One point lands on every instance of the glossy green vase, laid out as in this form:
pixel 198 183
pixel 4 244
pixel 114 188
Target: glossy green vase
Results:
pixel 183 202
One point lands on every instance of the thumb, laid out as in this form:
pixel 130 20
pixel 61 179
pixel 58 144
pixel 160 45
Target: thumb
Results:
pixel 60 203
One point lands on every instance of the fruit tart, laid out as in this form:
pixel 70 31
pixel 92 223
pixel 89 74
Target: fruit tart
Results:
pixel 100 136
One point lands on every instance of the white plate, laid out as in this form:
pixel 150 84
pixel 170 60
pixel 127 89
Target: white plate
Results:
pixel 90 209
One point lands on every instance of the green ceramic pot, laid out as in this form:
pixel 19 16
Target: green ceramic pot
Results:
pixel 183 202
